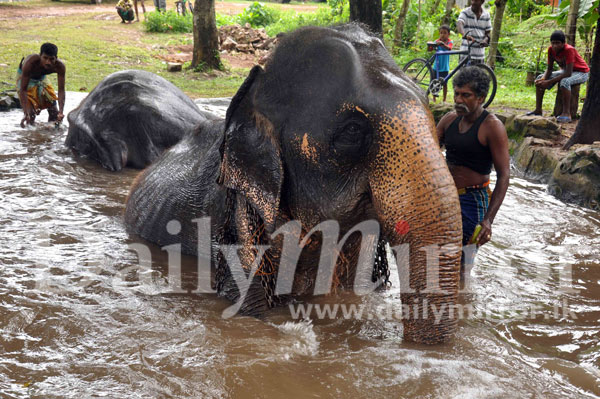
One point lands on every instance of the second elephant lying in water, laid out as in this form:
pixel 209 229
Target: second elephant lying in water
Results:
pixel 130 118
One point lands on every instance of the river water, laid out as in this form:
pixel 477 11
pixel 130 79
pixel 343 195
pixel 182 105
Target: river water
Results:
pixel 78 319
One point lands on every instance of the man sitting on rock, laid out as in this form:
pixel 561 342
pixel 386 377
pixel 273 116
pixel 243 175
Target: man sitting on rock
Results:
pixel 573 71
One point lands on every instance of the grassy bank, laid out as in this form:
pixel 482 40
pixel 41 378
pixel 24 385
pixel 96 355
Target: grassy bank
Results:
pixel 94 44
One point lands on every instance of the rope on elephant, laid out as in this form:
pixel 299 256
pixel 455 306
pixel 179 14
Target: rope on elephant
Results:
pixel 381 270
pixel 267 270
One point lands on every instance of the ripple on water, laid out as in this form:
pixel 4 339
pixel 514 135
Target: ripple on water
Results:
pixel 80 318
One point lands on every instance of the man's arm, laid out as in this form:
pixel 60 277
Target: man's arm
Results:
pixel 549 66
pixel 497 141
pixel 486 39
pixel 61 71
pixel 568 71
pixel 443 125
pixel 460 23
pixel 460 27
pixel 25 104
pixel 545 82
pixel 488 30
pixel 444 45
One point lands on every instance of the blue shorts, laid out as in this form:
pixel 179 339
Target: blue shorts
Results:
pixel 474 203
pixel 440 74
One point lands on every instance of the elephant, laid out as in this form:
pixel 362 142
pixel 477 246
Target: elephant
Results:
pixel 329 130
pixel 130 118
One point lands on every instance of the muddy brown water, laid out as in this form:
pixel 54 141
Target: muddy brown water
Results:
pixel 78 319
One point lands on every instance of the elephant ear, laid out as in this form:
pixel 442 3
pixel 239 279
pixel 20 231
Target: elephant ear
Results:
pixel 252 162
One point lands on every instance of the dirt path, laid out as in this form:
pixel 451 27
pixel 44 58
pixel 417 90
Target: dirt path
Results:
pixel 21 11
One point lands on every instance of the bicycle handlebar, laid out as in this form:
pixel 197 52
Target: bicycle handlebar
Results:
pixel 474 41
pixel 471 43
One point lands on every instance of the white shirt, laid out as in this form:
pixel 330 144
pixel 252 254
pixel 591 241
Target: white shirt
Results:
pixel 476 28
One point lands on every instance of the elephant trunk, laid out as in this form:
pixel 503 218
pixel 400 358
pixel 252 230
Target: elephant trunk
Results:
pixel 416 200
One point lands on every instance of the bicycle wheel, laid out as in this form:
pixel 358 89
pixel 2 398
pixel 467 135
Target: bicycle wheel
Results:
pixel 419 71
pixel 493 84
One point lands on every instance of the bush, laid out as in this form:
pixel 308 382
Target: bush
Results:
pixel 168 21
pixel 257 15
pixel 290 20
pixel 224 19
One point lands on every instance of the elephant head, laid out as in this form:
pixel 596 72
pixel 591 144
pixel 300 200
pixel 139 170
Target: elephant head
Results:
pixel 130 118
pixel 331 129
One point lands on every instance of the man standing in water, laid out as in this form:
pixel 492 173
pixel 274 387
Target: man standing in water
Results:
pixel 474 140
pixel 35 93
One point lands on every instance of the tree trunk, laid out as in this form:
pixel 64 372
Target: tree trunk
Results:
pixel 496 29
pixel 449 6
pixel 400 24
pixel 587 130
pixel 416 38
pixel 368 12
pixel 206 37
pixel 571 29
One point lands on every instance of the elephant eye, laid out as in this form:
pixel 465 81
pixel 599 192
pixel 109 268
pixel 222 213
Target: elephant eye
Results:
pixel 353 136
pixel 353 130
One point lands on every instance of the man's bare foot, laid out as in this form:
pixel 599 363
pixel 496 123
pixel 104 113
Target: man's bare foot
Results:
pixel 28 120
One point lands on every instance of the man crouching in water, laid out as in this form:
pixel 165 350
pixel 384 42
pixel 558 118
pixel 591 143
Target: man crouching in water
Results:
pixel 474 140
pixel 35 93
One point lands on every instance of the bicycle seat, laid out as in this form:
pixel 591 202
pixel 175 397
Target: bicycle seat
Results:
pixel 431 46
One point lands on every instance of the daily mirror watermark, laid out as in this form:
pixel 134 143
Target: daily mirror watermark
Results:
pixel 293 241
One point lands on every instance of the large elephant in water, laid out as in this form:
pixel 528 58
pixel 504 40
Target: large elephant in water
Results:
pixel 130 118
pixel 330 130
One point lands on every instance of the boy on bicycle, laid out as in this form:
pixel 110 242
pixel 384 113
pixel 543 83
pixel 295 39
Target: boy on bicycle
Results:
pixel 442 62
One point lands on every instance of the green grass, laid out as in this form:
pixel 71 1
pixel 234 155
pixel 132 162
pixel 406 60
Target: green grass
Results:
pixel 93 49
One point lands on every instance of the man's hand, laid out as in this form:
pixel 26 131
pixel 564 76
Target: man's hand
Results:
pixel 544 84
pixel 485 234
pixel 60 117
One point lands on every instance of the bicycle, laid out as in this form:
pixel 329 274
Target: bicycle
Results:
pixel 421 71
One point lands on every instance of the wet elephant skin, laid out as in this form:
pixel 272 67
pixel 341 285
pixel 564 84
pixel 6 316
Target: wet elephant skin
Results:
pixel 130 118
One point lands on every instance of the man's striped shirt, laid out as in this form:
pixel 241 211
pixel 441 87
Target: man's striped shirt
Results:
pixel 476 28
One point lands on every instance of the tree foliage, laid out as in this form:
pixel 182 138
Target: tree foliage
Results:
pixel 587 18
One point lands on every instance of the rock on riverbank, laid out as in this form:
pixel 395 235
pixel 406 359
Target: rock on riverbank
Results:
pixel 8 100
